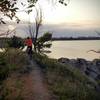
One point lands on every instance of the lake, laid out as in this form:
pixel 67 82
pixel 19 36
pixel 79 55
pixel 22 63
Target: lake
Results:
pixel 75 49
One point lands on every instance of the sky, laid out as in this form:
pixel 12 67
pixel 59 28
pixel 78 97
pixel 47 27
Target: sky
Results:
pixel 79 18
pixel 77 11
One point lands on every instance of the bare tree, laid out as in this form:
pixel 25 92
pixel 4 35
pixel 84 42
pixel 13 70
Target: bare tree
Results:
pixel 7 33
pixel 38 23
pixel 30 30
pixel 3 37
pixel 33 30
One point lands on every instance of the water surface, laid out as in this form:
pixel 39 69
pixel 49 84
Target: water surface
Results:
pixel 75 49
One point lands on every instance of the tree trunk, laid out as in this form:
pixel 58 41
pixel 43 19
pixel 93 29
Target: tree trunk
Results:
pixel 35 41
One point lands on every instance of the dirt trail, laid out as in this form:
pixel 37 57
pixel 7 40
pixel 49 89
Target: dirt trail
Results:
pixel 28 85
pixel 39 86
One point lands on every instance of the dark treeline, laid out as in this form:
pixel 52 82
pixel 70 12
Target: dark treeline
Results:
pixel 60 38
pixel 4 41
pixel 76 38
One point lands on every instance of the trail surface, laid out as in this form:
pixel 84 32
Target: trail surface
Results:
pixel 37 83
pixel 27 84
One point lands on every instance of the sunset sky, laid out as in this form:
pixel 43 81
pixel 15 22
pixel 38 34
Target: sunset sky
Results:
pixel 77 11
pixel 79 18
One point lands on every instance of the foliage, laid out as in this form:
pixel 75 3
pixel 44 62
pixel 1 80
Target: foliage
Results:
pixel 13 63
pixel 8 8
pixel 15 42
pixel 12 60
pixel 65 83
pixel 64 2
pixel 44 41
pixel 3 70
pixel 12 88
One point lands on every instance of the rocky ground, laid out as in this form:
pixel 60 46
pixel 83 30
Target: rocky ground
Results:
pixel 89 68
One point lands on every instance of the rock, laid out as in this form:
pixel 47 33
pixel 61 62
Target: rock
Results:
pixel 89 68
pixel 98 77
pixel 81 64
pixel 64 60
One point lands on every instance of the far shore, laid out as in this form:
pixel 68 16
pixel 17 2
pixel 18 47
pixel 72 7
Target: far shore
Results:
pixel 75 39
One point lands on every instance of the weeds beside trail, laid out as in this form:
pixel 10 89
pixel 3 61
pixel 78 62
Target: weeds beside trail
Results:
pixel 13 66
pixel 64 82
pixel 22 79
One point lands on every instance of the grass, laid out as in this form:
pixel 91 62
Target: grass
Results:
pixel 64 82
pixel 12 89
pixel 13 62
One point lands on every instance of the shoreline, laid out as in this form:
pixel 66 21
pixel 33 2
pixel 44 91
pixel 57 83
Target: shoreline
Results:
pixel 89 68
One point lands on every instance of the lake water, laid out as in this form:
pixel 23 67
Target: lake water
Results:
pixel 75 49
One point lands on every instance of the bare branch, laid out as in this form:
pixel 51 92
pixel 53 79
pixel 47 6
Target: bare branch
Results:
pixel 8 32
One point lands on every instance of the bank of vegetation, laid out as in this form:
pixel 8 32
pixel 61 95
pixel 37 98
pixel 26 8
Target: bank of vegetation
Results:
pixel 64 82
pixel 13 64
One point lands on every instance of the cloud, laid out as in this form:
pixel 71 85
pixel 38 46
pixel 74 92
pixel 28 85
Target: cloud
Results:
pixel 58 30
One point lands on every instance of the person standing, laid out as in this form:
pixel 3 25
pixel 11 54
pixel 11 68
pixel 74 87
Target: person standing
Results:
pixel 28 43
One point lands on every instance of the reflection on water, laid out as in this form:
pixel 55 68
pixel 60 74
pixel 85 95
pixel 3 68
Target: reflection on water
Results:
pixel 75 49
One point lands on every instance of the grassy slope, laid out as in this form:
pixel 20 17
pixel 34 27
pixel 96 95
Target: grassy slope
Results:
pixel 64 82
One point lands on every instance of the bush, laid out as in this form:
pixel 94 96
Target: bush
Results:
pixel 15 42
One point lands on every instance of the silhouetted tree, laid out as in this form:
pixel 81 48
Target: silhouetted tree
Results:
pixel 8 8
pixel 3 41
pixel 44 41
pixel 15 42
pixel 38 23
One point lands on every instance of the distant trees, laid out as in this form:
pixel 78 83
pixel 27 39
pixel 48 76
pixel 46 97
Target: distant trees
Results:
pixel 4 37
pixel 15 42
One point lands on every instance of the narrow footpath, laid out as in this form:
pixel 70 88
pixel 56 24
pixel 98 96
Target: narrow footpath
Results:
pixel 40 90
pixel 26 84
